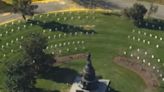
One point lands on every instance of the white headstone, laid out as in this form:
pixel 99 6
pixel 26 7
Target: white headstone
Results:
pixel 157 71
pixel 54 36
pixel 6 32
pixel 7 44
pixel 20 47
pixel 59 35
pixel 67 49
pixel 73 42
pixel 154 67
pixel 157 46
pixel 139 39
pixel 138 57
pixel 60 44
pixel 55 45
pixel 4 55
pixel 24 26
pixel 155 37
pixel 53 53
pixel 68 43
pixel 12 41
pixel 148 42
pixel 149 64
pixel 50 30
pixel 159 60
pixel 18 28
pixel 125 53
pixel 12 30
pixel 130 47
pixel 128 36
pixel 75 48
pixel 44 31
pixel 22 37
pixel 12 50
pixel 2 46
pixel 138 49
pixel 134 38
pixel 49 37
pixel 17 39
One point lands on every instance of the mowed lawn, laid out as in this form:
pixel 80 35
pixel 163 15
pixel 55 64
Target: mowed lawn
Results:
pixel 109 41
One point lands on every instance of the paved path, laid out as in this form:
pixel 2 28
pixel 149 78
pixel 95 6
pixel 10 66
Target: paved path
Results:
pixel 66 4
pixel 43 8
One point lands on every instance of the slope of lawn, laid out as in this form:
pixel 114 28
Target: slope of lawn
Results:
pixel 109 41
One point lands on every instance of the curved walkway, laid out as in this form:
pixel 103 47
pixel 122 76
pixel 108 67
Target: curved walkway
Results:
pixel 54 5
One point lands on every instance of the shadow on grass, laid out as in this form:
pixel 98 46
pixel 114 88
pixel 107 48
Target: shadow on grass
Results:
pixel 153 24
pixel 113 90
pixel 60 75
pixel 56 26
pixel 4 7
pixel 96 3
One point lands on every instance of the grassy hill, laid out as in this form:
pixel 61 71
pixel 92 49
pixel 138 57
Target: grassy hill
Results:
pixel 109 41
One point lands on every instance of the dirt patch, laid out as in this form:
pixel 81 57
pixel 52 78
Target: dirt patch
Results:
pixel 65 59
pixel 145 72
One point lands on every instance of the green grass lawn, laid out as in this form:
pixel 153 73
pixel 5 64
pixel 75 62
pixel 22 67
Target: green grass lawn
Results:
pixel 109 41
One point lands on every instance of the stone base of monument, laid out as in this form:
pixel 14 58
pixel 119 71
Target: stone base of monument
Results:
pixel 103 86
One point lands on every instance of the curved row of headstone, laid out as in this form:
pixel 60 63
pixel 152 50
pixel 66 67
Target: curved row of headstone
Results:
pixel 13 41
pixel 148 42
pixel 146 62
pixel 63 44
pixel 68 50
pixel 148 34
pixel 146 54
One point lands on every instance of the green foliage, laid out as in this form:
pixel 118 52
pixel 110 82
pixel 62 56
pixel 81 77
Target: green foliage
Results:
pixel 33 46
pixel 20 75
pixel 24 7
pixel 137 12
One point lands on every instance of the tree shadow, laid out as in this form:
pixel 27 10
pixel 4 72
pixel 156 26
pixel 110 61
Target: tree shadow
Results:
pixel 113 90
pixel 60 75
pixel 96 4
pixel 4 7
pixel 56 26
pixel 153 24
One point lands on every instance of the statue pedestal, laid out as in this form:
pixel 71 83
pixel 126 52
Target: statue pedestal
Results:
pixel 103 86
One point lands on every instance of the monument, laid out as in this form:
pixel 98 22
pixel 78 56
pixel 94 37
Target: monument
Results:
pixel 88 82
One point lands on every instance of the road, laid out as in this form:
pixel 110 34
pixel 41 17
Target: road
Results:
pixel 66 4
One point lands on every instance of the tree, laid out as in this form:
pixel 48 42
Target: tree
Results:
pixel 24 7
pixel 137 12
pixel 20 76
pixel 152 10
pixel 33 46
